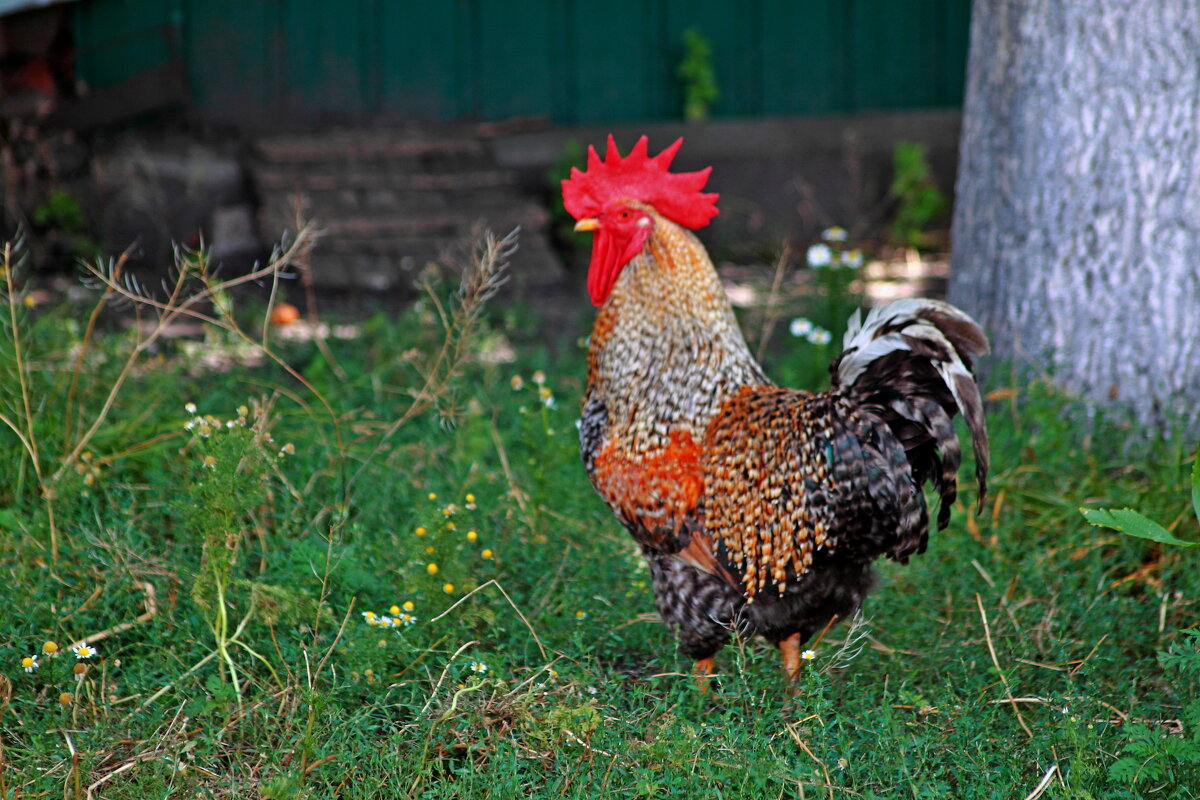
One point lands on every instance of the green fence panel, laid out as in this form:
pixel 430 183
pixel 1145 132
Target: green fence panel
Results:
pixel 231 49
pixel 116 39
pixel 612 69
pixel 731 32
pixel 806 61
pixel 514 69
pixel 264 61
pixel 425 61
pixel 897 54
pixel 323 59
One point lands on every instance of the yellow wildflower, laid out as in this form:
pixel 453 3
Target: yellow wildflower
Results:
pixel 431 568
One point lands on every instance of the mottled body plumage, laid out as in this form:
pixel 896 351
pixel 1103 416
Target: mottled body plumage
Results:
pixel 760 508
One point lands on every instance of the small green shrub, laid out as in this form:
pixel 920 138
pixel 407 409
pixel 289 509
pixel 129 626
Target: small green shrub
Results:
pixel 919 202
pixel 61 211
pixel 697 76
pixel 562 224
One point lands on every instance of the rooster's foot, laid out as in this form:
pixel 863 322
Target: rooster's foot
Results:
pixel 789 649
pixel 701 672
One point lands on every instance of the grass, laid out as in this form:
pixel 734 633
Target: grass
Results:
pixel 1026 654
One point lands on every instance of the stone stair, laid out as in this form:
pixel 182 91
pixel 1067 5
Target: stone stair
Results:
pixel 392 200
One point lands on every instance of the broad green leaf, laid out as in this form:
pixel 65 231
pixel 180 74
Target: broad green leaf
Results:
pixel 1130 522
pixel 1125 770
pixel 8 520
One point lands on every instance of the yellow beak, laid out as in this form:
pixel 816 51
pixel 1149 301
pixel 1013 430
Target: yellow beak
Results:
pixel 587 224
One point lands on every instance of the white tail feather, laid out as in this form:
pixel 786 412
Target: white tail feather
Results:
pixel 893 327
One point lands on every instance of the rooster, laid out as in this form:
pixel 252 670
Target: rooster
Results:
pixel 758 508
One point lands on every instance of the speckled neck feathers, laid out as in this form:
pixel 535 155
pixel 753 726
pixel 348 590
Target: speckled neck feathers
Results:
pixel 667 338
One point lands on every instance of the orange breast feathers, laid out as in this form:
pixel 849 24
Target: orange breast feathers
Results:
pixel 654 490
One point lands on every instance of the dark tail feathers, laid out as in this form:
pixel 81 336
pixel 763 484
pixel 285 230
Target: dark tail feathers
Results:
pixel 910 362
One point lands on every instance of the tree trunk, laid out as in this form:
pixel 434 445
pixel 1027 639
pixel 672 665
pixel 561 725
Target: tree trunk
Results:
pixel 1076 234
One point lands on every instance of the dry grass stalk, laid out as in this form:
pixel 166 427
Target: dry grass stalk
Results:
pixel 482 278
pixel 987 632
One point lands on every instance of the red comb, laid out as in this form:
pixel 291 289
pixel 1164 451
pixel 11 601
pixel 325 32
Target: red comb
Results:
pixel 676 196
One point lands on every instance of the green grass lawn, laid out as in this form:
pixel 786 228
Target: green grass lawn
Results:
pixel 233 556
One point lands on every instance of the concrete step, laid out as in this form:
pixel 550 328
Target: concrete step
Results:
pixel 389 202
pixel 439 221
pixel 388 265
pixel 366 146
pixel 350 202
pixel 323 177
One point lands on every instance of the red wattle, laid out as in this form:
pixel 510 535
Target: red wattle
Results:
pixel 609 256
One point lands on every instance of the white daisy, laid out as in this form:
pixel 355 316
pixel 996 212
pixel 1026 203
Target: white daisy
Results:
pixel 801 326
pixel 819 255
pixel 820 336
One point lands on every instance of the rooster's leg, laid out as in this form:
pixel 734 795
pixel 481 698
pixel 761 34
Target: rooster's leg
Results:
pixel 789 648
pixel 701 672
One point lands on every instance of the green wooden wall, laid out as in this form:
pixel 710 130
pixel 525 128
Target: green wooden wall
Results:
pixel 576 62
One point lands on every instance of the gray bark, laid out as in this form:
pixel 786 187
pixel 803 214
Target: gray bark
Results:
pixel 1076 232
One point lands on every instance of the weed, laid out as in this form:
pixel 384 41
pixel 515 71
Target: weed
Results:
pixel 919 203
pixel 1132 523
pixel 697 77
pixel 61 211
pixel 63 227
pixel 562 224
pixel 831 292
